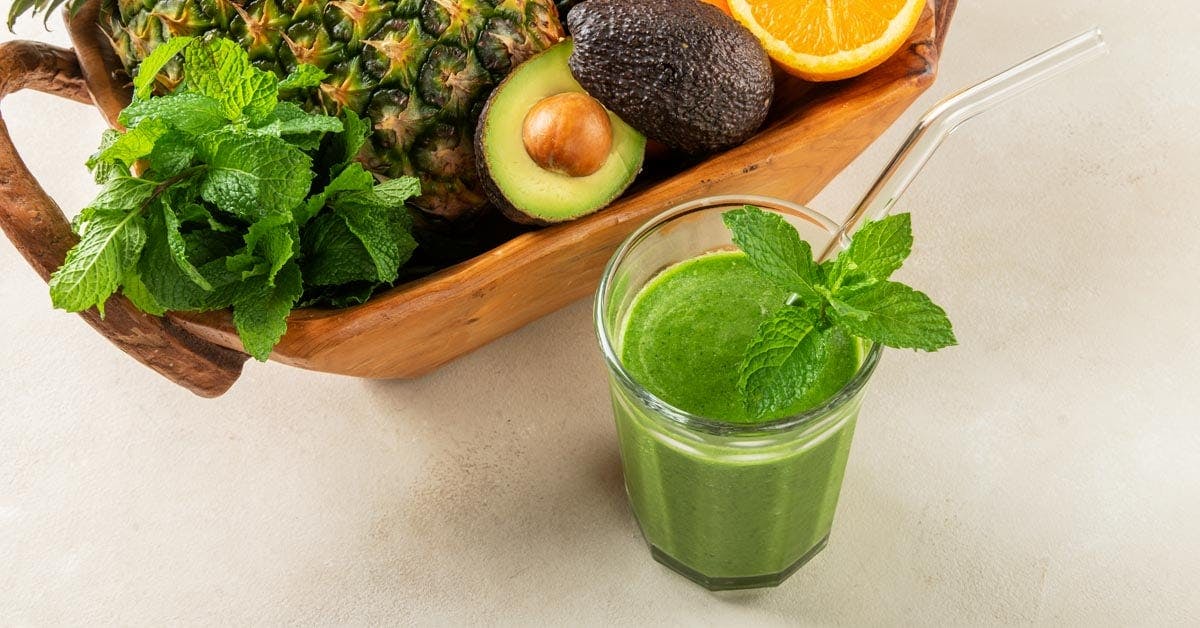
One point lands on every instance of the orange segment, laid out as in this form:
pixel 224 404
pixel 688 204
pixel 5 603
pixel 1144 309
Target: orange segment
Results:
pixel 720 4
pixel 829 40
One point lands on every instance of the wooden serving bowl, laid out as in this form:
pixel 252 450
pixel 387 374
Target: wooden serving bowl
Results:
pixel 813 132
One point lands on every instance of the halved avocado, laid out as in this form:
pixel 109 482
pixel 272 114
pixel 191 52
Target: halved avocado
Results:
pixel 563 182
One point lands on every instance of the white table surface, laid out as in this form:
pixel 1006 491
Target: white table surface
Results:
pixel 1045 471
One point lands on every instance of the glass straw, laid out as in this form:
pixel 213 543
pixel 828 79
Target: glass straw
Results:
pixel 941 120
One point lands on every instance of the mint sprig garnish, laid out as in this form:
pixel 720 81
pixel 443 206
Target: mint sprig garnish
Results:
pixel 851 292
pixel 894 315
pixel 785 356
pixel 222 195
pixel 776 251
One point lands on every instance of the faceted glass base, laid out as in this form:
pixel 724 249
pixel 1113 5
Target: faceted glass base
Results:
pixel 744 582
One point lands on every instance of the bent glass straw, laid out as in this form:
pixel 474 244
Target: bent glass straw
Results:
pixel 946 116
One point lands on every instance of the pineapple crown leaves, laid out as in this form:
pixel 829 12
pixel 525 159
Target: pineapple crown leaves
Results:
pixel 222 195
pixel 45 7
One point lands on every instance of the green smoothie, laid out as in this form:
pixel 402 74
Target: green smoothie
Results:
pixel 729 510
pixel 688 329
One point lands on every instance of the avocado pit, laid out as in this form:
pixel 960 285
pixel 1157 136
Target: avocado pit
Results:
pixel 568 133
pixel 546 151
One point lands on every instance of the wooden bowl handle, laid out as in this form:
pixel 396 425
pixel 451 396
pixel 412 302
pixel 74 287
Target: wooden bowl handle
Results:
pixel 36 225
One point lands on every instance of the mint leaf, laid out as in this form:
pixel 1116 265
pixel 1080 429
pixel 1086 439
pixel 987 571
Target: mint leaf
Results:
pixel 189 212
pixel 776 250
pixel 372 240
pixel 397 191
pixel 894 315
pixel 206 250
pixel 197 214
pixel 173 291
pixel 303 77
pixel 334 255
pixel 194 114
pixel 137 293
pixel 220 69
pixel 352 178
pixel 289 119
pixel 261 309
pixel 132 145
pixel 252 176
pixel 93 270
pixel 877 250
pixel 270 243
pixel 80 222
pixel 344 295
pixel 123 194
pixel 104 170
pixel 208 245
pixel 178 249
pixel 300 128
pixel 172 154
pixel 381 227
pixel 353 136
pixel 340 149
pixel 782 361
pixel 149 68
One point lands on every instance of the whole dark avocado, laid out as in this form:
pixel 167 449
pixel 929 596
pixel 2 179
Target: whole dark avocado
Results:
pixel 563 7
pixel 680 71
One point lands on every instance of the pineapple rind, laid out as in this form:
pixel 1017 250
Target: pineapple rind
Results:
pixel 420 70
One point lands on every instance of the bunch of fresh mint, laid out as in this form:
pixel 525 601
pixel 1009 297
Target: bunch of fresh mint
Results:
pixel 850 292
pixel 210 199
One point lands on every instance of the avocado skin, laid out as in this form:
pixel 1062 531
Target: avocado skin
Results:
pixel 680 71
pixel 490 188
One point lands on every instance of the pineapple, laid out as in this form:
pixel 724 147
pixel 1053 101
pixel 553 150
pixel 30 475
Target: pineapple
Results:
pixel 418 69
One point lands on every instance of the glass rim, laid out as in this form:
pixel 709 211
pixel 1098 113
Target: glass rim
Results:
pixel 678 415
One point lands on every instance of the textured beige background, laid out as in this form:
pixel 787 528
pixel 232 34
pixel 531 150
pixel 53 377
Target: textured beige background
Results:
pixel 1047 470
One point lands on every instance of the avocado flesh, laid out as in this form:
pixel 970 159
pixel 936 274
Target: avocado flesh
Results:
pixel 522 189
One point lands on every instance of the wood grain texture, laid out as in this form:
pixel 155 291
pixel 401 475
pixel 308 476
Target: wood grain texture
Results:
pixel 813 132
pixel 97 62
pixel 40 232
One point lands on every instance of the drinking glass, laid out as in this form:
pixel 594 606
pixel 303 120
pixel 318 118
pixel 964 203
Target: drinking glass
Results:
pixel 727 505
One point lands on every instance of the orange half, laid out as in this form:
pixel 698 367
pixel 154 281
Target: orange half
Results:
pixel 829 40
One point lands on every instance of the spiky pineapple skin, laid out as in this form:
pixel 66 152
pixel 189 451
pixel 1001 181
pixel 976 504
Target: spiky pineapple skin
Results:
pixel 420 70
